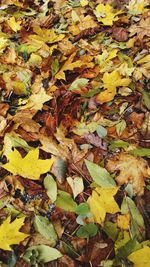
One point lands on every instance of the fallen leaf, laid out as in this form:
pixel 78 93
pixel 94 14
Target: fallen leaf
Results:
pixel 100 175
pixel 76 185
pixel 36 100
pixel 65 201
pixel 131 170
pixel 30 166
pixel 13 24
pixel 137 7
pixel 41 254
pixel 51 187
pixel 111 81
pixel 9 232
pixel 68 65
pixel 106 14
pixel 123 221
pixel 100 203
pixel 141 257
pixel 45 228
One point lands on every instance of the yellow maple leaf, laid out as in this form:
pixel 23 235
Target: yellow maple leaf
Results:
pixel 68 65
pixel 30 166
pixel 106 14
pixel 141 257
pixel 111 81
pixel 13 24
pixel 36 100
pixel 123 221
pixel 9 233
pixel 100 203
pixel 46 35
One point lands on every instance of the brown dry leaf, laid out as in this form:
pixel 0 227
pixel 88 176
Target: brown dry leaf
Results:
pixel 131 170
pixel 142 29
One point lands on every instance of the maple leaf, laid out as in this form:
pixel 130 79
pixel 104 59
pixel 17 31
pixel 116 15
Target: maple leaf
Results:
pixel 142 29
pixel 9 233
pixel 68 65
pixel 141 257
pixel 100 203
pixel 13 24
pixel 106 14
pixel 30 166
pixel 111 81
pixel 132 170
pixel 36 100
pixel 46 35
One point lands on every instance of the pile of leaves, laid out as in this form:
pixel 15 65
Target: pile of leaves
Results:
pixel 74 133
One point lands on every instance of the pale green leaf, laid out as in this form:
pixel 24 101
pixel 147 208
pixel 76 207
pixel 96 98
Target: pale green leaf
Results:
pixel 45 228
pixel 65 201
pixel 100 175
pixel 51 186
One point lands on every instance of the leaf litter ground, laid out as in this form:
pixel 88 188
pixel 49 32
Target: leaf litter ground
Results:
pixel 74 133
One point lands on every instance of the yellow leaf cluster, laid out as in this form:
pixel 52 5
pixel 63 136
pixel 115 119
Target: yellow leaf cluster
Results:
pixel 30 166
pixel 106 14
pixel 100 203
pixel 9 233
pixel 111 81
pixel 141 257
pixel 13 24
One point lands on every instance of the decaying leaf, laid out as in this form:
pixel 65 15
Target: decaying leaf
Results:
pixel 74 133
pixel 131 170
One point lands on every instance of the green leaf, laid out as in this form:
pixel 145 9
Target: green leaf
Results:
pixel 120 127
pixel 141 152
pixel 55 67
pixel 69 250
pixel 126 250
pixel 51 186
pixel 101 131
pixel 65 201
pixel 91 92
pixel 45 228
pixel 41 254
pixel 82 209
pixel 75 17
pixel 137 222
pixel 87 230
pixel 78 83
pixel 146 99
pixel 100 175
pixel 118 144
pixel 111 230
